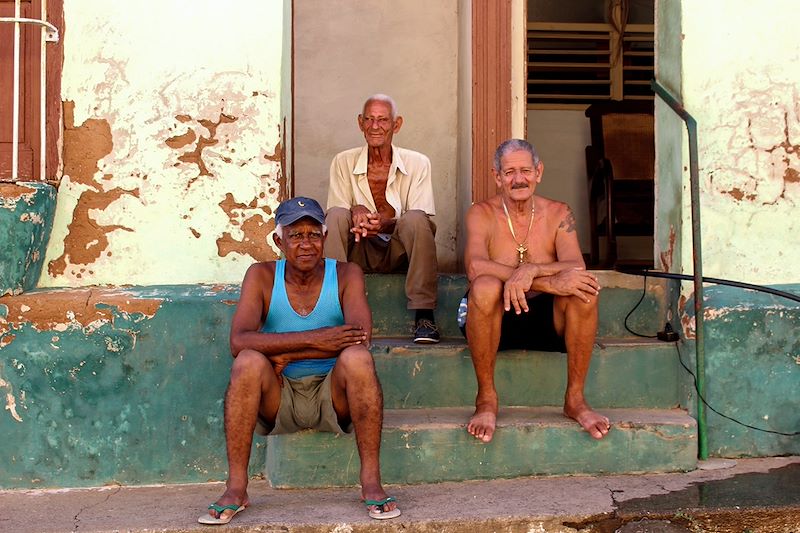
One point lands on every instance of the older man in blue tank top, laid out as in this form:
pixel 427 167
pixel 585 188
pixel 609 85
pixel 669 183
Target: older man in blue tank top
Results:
pixel 300 341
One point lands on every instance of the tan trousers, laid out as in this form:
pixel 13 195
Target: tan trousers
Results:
pixel 412 248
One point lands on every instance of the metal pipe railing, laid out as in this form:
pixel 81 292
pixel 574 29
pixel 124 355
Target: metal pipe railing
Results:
pixel 49 34
pixel 697 259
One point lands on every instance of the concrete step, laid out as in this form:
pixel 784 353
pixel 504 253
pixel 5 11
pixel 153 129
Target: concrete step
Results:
pixel 432 445
pixel 624 373
pixel 386 295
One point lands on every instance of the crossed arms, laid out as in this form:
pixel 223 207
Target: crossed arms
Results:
pixel 565 275
pixel 283 348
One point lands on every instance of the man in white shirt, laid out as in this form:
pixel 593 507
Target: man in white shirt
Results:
pixel 380 201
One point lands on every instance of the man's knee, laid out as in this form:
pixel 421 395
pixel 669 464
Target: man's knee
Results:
pixel 485 293
pixel 249 363
pixel 338 218
pixel 414 220
pixel 574 304
pixel 355 359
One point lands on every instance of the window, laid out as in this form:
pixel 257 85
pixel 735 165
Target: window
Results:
pixel 30 145
pixel 579 53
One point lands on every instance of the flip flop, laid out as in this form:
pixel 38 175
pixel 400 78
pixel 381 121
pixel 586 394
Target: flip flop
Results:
pixel 210 520
pixel 379 513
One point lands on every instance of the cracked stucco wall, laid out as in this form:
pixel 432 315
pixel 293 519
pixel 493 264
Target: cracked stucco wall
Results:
pixel 741 83
pixel 172 142
pixel 88 385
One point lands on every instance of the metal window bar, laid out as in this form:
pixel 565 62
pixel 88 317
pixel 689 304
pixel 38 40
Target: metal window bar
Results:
pixel 49 35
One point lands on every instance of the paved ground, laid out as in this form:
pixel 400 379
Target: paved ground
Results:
pixel 769 489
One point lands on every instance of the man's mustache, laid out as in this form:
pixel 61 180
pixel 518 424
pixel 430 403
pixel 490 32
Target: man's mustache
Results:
pixel 519 186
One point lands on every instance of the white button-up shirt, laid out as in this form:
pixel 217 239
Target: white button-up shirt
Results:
pixel 408 187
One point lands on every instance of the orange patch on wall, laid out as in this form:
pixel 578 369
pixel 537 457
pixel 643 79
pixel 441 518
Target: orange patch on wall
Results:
pixel 256 231
pixel 277 155
pixel 667 255
pixel 195 156
pixel 84 146
pixel 87 239
pixel 179 141
pixel 13 191
pixel 5 340
pixel 47 311
pixel 254 242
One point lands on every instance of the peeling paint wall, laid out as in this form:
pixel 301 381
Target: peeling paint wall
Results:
pixel 91 378
pixel 741 83
pixel 752 370
pixel 26 215
pixel 172 142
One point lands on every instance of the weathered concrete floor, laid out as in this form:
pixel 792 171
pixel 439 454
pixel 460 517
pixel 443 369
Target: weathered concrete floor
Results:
pixel 563 504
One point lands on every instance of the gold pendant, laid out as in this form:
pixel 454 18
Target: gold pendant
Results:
pixel 521 249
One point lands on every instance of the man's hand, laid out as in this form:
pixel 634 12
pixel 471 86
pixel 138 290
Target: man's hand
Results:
pixel 365 223
pixel 517 285
pixel 575 282
pixel 337 338
pixel 330 340
pixel 279 362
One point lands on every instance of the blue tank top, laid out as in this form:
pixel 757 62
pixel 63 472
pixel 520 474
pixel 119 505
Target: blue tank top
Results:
pixel 282 318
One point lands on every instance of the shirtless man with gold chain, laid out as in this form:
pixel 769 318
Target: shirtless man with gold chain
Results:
pixel 528 286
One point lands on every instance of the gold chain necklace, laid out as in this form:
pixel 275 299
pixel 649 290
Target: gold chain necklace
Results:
pixel 521 246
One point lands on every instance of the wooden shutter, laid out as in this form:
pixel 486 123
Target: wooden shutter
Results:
pixel 29 88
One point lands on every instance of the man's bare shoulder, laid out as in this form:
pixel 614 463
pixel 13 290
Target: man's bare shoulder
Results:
pixel 551 210
pixel 484 209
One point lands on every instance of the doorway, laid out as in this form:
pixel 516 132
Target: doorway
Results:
pixel 582 54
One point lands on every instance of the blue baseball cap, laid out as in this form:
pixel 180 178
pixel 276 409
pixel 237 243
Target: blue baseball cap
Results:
pixel 293 209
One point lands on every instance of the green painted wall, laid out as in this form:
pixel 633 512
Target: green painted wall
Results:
pixel 752 357
pixel 670 175
pixel 126 396
pixel 26 216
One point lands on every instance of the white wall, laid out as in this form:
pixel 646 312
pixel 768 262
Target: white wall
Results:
pixel 740 82
pixel 171 117
pixel 560 138
pixel 349 49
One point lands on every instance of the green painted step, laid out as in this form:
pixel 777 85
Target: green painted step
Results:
pixel 386 295
pixel 624 373
pixel 432 445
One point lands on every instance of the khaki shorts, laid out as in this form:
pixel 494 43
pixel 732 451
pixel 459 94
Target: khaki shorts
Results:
pixel 305 404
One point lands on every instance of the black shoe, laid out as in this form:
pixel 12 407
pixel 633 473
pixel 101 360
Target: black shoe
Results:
pixel 426 331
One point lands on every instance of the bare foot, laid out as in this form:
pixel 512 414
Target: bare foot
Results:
pixel 482 424
pixel 230 497
pixel 593 422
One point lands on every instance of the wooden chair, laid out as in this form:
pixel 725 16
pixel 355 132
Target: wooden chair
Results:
pixel 620 166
